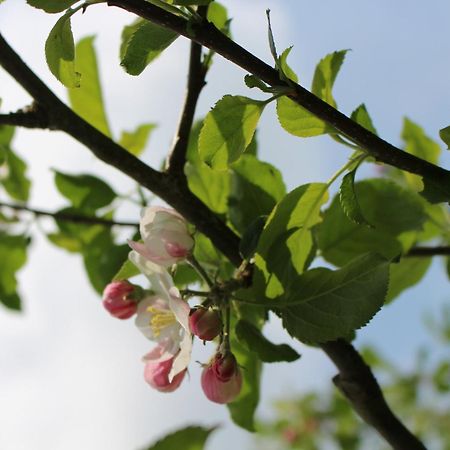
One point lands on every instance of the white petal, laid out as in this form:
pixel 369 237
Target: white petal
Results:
pixel 181 361
pixel 179 307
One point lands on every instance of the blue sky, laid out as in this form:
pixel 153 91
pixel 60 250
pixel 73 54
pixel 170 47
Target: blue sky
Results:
pixel 71 377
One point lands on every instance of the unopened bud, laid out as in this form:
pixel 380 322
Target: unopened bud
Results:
pixel 118 299
pixel 205 323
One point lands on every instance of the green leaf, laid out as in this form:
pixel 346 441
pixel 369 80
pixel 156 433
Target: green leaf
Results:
pixel 189 438
pixel 15 180
pixel 255 342
pixel 52 6
pixel 142 42
pixel 444 134
pixel 325 76
pixel 103 259
pixel 242 410
pixel 441 377
pixel 250 238
pixel 284 66
pixel 256 187
pixel 298 121
pixel 87 100
pixel 218 15
pixel 210 186
pixel 60 52
pixel 436 191
pixel 126 271
pixel 361 116
pixel 13 254
pixel 85 192
pixel 349 201
pixel 391 209
pixel 252 81
pixel 228 129
pixel 405 274
pixel 65 241
pixel 135 141
pixel 418 144
pixel 332 304
pixel 6 135
pixel 286 243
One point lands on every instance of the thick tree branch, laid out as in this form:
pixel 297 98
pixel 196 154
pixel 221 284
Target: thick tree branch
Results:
pixel 359 386
pixel 166 186
pixel 68 217
pixel 207 35
pixel 195 84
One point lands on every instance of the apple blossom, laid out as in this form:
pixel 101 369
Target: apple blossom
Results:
pixel 118 299
pixel 222 379
pixel 166 239
pixel 205 323
pixel 157 370
pixel 164 316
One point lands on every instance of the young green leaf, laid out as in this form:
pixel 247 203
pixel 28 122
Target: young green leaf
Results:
pixel 142 42
pixel 87 100
pixel 218 15
pixel 13 254
pixel 419 144
pixel 349 201
pixel 298 121
pixel 251 81
pixel 444 134
pixel 360 115
pixel 284 67
pixel 127 270
pixel 286 243
pixel 256 187
pixel 85 192
pixel 52 6
pixel 435 191
pixel 15 180
pixel 228 129
pixel 60 52
pixel 331 304
pixel 325 76
pixel 189 438
pixel 135 141
pixel 255 342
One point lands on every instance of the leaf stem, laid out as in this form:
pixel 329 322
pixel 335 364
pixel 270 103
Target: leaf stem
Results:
pixel 200 270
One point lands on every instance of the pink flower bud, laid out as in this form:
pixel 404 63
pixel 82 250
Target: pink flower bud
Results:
pixel 222 379
pixel 118 299
pixel 166 237
pixel 205 323
pixel 156 374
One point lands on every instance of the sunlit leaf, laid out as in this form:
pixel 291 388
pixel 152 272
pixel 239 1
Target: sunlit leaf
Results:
pixel 228 129
pixel 87 100
pixel 142 42
pixel 135 141
pixel 14 178
pixel 190 438
pixel 52 6
pixel 60 52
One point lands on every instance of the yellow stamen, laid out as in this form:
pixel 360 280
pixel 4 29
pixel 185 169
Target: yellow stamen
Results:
pixel 160 319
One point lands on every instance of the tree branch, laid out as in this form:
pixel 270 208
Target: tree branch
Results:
pixel 359 386
pixel 429 251
pixel 167 187
pixel 30 117
pixel 69 217
pixel 207 35
pixel 195 84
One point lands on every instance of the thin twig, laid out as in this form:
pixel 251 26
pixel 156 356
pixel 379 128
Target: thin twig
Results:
pixel 195 84
pixel 207 35
pixel 429 251
pixel 69 217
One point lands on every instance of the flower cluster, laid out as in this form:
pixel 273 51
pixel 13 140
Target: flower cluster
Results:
pixel 164 317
